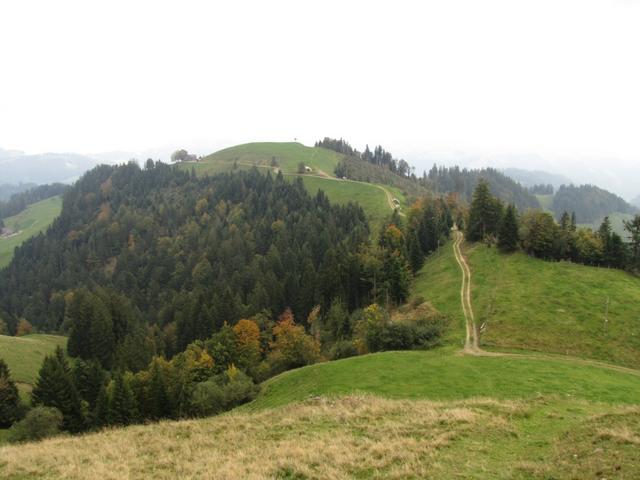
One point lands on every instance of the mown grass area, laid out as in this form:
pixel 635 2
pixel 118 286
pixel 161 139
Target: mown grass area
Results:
pixel 288 155
pixel 372 198
pixel 31 221
pixel 356 437
pixel 441 375
pixel 530 304
pixel 546 202
pixel 24 355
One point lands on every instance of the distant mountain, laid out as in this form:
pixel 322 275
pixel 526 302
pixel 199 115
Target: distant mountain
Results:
pixel 590 203
pixel 529 178
pixel 18 167
pixel 636 201
pixel 9 189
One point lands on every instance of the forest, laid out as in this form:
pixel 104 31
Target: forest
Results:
pixel 179 294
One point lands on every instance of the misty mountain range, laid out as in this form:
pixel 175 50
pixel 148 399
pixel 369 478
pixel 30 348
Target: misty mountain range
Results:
pixel 17 167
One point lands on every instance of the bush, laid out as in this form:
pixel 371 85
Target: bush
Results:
pixel 343 349
pixel 40 422
pixel 222 393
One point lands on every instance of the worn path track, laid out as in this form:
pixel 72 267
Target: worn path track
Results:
pixel 471 340
pixel 472 343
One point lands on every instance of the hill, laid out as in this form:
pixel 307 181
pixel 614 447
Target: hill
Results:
pixel 590 203
pixel 531 304
pixel 537 436
pixel 18 167
pixel 530 178
pixel 28 223
pixel 24 355
pixel 194 252
pixel 374 198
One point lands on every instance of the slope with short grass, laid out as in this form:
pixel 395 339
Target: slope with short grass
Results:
pixel 31 221
pixel 286 157
pixel 24 355
pixel 357 436
pixel 531 304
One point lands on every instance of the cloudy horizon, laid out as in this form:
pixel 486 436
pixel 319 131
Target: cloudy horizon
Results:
pixel 545 85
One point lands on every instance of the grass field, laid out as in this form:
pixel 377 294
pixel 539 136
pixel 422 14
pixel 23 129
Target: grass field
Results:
pixel 441 375
pixel 530 304
pixel 287 155
pixel 33 220
pixel 357 436
pixel 24 355
pixel 617 223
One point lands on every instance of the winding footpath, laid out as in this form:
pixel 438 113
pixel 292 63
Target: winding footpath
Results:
pixel 471 344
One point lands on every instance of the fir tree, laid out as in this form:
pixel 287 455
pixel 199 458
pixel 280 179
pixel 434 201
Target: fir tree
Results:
pixel 484 213
pixel 10 406
pixel 123 409
pixel 508 238
pixel 414 250
pixel 54 388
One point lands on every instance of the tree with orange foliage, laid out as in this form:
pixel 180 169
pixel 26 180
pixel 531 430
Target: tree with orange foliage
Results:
pixel 23 328
pixel 291 347
pixel 248 341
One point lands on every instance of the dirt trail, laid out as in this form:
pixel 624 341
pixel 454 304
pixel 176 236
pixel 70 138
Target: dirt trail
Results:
pixel 471 340
pixel 472 343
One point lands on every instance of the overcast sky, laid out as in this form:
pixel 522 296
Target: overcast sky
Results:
pixel 558 79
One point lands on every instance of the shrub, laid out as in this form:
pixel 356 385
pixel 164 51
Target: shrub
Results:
pixel 23 328
pixel 343 349
pixel 222 393
pixel 40 422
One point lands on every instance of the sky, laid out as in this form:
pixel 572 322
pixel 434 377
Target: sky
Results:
pixel 542 84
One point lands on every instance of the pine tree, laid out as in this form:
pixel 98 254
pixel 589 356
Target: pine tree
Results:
pixel 633 227
pixel 484 214
pixel 54 388
pixel 101 411
pixel 10 406
pixel 508 238
pixel 123 409
pixel 414 251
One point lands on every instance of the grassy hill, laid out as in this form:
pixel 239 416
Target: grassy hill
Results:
pixel 375 199
pixel 530 304
pixel 31 221
pixel 24 355
pixel 401 433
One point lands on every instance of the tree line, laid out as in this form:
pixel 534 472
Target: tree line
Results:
pixel 20 201
pixel 537 233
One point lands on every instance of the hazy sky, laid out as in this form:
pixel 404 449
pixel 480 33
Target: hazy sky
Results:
pixel 559 79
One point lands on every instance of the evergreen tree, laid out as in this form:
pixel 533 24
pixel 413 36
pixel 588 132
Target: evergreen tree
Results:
pixel 54 388
pixel 123 409
pixel 508 238
pixel 633 227
pixel 101 411
pixel 10 406
pixel 484 214
pixel 414 251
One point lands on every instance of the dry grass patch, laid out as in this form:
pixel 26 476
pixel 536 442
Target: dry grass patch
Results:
pixel 355 436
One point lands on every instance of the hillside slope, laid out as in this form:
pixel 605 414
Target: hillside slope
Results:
pixel 326 437
pixel 24 355
pixel 530 304
pixel 375 199
pixel 28 223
